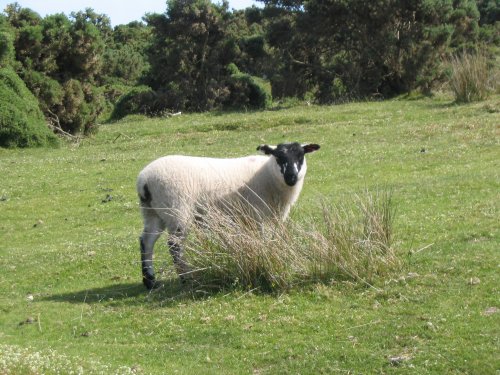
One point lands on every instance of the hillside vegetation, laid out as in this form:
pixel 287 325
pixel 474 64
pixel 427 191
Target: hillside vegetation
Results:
pixel 200 55
pixel 21 122
pixel 71 295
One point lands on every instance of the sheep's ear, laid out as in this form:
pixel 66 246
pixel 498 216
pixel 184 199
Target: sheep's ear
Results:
pixel 311 147
pixel 266 149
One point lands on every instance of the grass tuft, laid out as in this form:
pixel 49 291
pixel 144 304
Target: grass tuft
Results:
pixel 341 242
pixel 471 77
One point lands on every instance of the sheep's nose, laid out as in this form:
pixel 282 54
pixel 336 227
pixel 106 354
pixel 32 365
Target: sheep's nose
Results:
pixel 290 179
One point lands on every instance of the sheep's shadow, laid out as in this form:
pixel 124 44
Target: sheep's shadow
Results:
pixel 169 292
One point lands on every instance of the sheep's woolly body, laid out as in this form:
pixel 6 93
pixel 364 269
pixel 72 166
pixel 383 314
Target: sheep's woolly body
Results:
pixel 179 184
pixel 176 191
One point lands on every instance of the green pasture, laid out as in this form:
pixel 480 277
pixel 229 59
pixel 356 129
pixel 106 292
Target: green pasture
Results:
pixel 71 295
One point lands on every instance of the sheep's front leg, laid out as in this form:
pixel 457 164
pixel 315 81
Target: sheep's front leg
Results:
pixel 177 252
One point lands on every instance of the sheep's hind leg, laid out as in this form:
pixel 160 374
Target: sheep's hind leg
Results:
pixel 153 228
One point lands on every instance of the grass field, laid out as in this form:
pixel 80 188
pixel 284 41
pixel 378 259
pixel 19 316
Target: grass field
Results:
pixel 71 296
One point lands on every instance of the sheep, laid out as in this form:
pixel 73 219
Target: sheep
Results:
pixel 174 189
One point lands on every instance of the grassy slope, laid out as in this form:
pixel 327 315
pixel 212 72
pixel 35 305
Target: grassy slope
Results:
pixel 78 256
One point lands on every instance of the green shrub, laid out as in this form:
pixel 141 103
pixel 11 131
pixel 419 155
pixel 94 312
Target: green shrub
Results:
pixel 246 91
pixel 80 107
pixel 111 93
pixel 47 90
pixel 22 123
pixel 136 101
pixel 146 101
pixel 471 79
pixel 254 45
pixel 73 110
pixel 114 91
pixel 330 91
pixel 73 106
pixel 125 64
pixel 6 49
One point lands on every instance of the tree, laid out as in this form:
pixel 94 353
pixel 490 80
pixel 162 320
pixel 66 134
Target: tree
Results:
pixel 489 11
pixel 358 48
pixel 125 59
pixel 89 31
pixel 185 54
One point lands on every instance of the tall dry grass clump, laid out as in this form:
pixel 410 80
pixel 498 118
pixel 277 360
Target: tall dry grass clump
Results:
pixel 471 79
pixel 338 242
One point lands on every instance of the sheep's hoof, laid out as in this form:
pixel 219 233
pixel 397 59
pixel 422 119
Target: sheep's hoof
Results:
pixel 150 283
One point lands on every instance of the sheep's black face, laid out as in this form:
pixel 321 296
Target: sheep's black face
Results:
pixel 290 158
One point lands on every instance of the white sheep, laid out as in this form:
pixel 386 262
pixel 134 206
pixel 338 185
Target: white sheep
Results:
pixel 172 189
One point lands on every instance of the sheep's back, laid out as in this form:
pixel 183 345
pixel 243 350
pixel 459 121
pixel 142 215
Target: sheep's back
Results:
pixel 176 178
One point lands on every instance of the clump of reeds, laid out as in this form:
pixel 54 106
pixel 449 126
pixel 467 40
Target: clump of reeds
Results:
pixel 337 242
pixel 471 78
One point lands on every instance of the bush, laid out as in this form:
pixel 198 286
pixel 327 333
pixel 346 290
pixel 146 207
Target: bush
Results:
pixel 6 49
pixel 246 91
pixel 73 106
pixel 470 77
pixel 81 105
pixel 146 101
pixel 47 90
pixel 125 64
pixel 136 101
pixel 21 121
pixel 111 93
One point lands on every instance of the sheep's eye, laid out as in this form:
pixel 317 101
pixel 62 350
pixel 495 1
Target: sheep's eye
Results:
pixel 281 163
pixel 281 160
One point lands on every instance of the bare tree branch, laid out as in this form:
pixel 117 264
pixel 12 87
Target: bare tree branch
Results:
pixel 55 125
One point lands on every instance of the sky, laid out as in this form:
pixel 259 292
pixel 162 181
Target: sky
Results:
pixel 119 11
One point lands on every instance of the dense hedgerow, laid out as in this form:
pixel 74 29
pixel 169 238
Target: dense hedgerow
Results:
pixel 22 123
pixel 242 91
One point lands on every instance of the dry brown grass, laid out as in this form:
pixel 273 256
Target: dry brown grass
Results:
pixel 471 77
pixel 344 242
